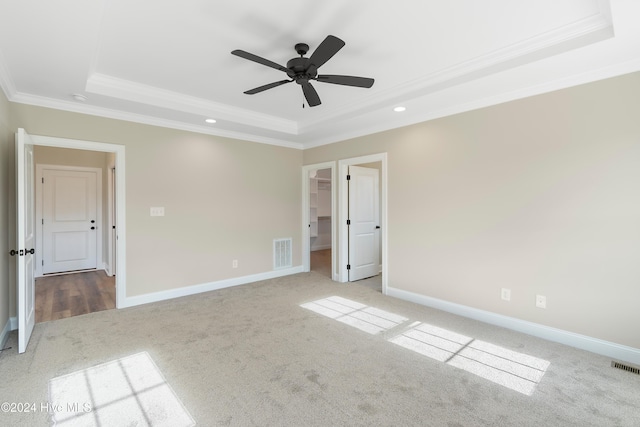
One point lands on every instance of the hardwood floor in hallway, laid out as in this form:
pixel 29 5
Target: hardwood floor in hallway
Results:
pixel 73 294
pixel 321 262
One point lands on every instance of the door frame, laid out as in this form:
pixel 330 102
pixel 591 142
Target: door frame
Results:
pixel 39 210
pixel 110 266
pixel 306 236
pixel 120 180
pixel 343 214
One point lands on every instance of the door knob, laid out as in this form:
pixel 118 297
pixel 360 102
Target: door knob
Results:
pixel 93 228
pixel 22 252
pixel 92 221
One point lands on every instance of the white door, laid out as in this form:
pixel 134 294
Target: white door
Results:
pixel 70 220
pixel 25 218
pixel 364 223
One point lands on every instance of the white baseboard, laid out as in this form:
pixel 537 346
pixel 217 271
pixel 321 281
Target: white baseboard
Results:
pixel 594 345
pixel 206 287
pixel 320 247
pixel 107 269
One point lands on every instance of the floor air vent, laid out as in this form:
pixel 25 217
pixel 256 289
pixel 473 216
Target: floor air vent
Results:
pixel 626 367
pixel 282 253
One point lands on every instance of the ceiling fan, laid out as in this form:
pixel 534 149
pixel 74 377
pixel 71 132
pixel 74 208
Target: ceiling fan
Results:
pixel 301 70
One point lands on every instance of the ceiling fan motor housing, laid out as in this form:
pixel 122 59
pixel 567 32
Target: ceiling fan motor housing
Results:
pixel 300 69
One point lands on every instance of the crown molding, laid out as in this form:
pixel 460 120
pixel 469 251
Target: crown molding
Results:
pixel 113 87
pixel 591 29
pixel 75 107
pixel 539 89
pixel 405 120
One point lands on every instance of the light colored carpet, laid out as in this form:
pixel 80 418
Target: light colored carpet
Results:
pixel 304 351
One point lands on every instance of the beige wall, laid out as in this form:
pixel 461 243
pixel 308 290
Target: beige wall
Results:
pixel 540 195
pixel 68 157
pixel 224 199
pixel 6 168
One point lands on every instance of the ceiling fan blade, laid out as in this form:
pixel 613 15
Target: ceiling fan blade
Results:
pixel 310 94
pixel 346 80
pixel 265 87
pixel 259 60
pixel 329 47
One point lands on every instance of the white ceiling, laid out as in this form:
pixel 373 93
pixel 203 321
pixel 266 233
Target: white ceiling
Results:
pixel 169 63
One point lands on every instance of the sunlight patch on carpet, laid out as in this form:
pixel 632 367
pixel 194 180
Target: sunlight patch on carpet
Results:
pixel 368 319
pixel 431 341
pixel 517 371
pixel 127 391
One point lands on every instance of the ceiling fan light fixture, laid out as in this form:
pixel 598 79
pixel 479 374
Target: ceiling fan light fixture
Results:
pixel 211 121
pixel 399 109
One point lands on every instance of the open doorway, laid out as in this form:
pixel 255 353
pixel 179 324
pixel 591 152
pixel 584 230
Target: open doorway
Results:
pixel 110 157
pixel 25 223
pixel 358 248
pixel 72 207
pixel 319 219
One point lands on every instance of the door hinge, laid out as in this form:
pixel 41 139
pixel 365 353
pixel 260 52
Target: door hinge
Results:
pixel 348 177
pixel 348 222
pixel 348 266
pixel 43 180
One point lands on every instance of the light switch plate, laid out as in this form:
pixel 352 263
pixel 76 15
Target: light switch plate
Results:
pixel 156 211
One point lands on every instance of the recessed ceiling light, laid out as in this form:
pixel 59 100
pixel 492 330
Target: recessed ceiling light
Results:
pixel 399 109
pixel 79 97
pixel 210 120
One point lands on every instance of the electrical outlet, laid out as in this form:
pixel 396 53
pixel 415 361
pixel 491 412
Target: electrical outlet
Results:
pixel 505 294
pixel 156 211
pixel 234 264
pixel 541 301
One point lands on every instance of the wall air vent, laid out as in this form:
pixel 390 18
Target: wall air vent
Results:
pixel 282 253
pixel 625 367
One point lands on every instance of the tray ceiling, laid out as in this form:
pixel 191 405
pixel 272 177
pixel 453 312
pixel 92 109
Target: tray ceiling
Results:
pixel 168 63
